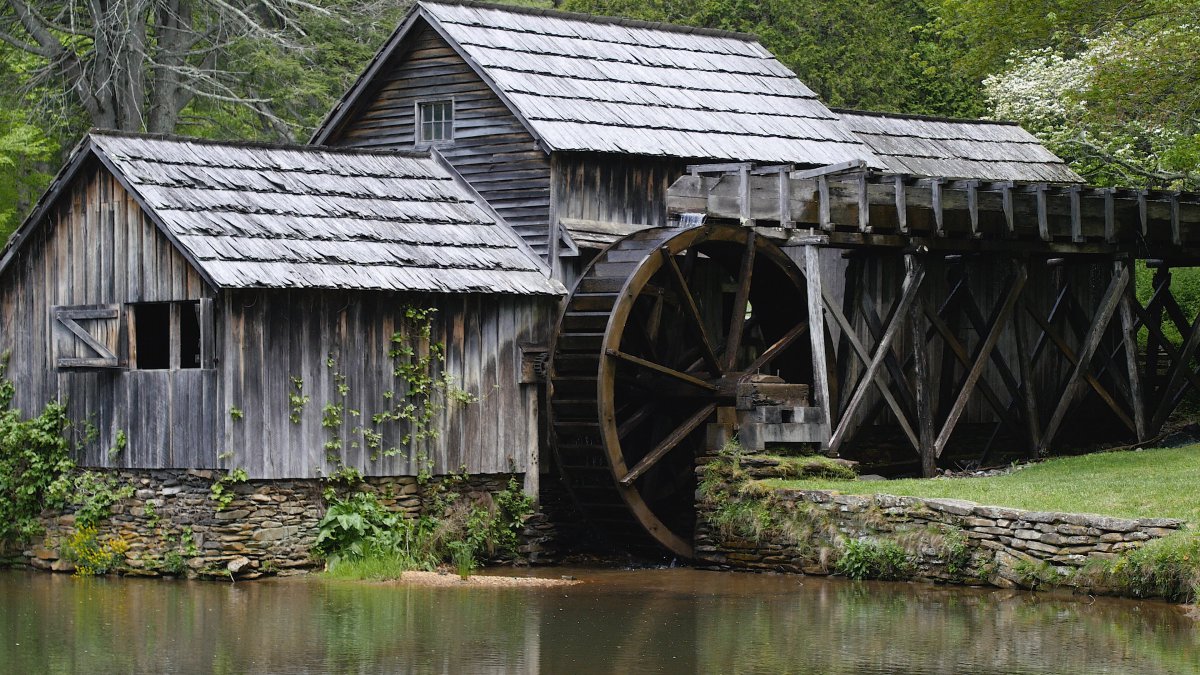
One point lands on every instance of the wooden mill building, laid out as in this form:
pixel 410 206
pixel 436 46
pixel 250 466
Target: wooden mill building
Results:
pixel 179 293
pixel 221 305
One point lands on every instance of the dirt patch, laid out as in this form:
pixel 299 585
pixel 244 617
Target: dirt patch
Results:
pixel 477 581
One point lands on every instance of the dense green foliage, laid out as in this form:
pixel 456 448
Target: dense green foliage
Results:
pixel 361 538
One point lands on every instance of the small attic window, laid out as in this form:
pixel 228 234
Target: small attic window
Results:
pixel 435 122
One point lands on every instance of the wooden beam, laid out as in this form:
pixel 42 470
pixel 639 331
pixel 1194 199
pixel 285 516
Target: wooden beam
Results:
pixel 1006 204
pixel 737 321
pixel 1143 214
pixel 1129 329
pixel 1176 235
pixel 660 369
pixel 1043 220
pixel 823 217
pixel 939 219
pixel 908 295
pixel 982 356
pixel 1110 216
pixel 816 335
pixel 864 205
pixel 668 444
pixel 1181 364
pixel 693 311
pixel 973 206
pixel 901 205
pixel 785 201
pixel 1104 312
pixel 921 384
pixel 1076 214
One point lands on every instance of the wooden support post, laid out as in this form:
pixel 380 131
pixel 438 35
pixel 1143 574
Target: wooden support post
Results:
pixel 1076 215
pixel 1176 235
pixel 908 295
pixel 816 336
pixel 1042 218
pixel 744 195
pixel 1129 340
pixel 785 201
pixel 901 205
pixel 864 204
pixel 922 384
pixel 823 218
pixel 1110 216
pixel 1160 284
pixel 1028 393
pixel 935 190
pixel 1006 203
pixel 1143 213
pixel 1100 321
pixel 973 206
pixel 982 356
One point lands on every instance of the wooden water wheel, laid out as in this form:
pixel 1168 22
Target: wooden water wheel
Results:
pixel 656 336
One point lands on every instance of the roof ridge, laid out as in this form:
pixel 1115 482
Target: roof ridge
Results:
pixel 926 118
pixel 259 145
pixel 599 18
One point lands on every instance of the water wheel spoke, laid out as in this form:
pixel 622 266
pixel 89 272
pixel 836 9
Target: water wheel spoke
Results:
pixel 660 369
pixel 669 443
pixel 692 311
pixel 741 300
pixel 633 421
pixel 779 347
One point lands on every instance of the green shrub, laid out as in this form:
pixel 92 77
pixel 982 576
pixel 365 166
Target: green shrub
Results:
pixel 93 495
pixel 867 559
pixel 35 464
pixel 1167 568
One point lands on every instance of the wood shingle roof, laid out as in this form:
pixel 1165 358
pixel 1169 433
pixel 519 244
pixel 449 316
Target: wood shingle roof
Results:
pixel 258 216
pixel 972 149
pixel 583 83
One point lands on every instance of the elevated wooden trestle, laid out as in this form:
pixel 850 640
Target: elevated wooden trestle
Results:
pixel 1005 307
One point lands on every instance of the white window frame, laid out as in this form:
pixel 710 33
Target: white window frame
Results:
pixel 447 125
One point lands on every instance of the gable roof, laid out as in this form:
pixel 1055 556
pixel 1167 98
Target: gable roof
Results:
pixel 982 149
pixel 262 216
pixel 586 83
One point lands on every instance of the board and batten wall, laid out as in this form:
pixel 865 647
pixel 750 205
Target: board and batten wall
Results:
pixel 269 337
pixel 492 150
pixel 97 248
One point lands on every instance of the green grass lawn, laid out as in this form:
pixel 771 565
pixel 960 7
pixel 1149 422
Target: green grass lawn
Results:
pixel 1162 483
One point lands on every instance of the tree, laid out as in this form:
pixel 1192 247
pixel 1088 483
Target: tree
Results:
pixel 1125 110
pixel 137 64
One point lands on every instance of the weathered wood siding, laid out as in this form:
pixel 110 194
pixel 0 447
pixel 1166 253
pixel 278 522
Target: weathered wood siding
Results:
pixel 611 188
pixel 270 337
pixel 98 248
pixel 491 149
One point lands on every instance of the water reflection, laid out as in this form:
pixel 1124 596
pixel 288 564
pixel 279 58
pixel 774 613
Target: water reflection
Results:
pixel 645 621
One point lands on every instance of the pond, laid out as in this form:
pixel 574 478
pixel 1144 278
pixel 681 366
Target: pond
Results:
pixel 617 621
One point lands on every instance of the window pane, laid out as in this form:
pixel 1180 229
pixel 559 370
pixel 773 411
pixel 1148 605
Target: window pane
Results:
pixel 152 326
pixel 436 121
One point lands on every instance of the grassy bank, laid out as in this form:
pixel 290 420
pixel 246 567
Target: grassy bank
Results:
pixel 1159 483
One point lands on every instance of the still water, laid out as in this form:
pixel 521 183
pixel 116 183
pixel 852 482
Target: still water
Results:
pixel 643 621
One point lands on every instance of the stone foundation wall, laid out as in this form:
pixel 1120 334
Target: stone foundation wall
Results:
pixel 946 540
pixel 172 526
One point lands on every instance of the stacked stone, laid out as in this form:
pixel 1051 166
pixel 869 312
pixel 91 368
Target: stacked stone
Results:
pixel 268 528
pixel 998 540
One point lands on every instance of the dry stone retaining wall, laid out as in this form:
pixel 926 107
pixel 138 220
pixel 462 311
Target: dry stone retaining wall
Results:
pixel 997 546
pixel 268 528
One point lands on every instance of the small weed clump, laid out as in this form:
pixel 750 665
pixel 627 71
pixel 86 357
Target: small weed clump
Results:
pixel 869 559
pixel 91 556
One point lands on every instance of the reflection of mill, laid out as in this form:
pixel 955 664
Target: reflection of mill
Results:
pixel 931 323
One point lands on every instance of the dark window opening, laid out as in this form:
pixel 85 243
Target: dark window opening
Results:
pixel 152 332
pixel 435 122
pixel 189 335
pixel 166 335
